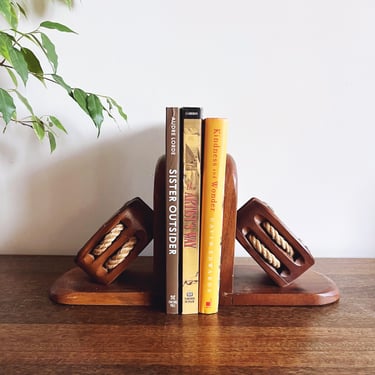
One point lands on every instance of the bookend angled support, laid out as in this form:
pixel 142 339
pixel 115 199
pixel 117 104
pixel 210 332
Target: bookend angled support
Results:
pixel 100 278
pixel 245 283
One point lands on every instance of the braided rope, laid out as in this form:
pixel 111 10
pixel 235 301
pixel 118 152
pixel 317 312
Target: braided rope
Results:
pixel 275 235
pixel 262 250
pixel 108 239
pixel 120 255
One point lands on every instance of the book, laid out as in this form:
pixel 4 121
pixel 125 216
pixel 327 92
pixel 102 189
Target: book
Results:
pixel 191 127
pixel 213 185
pixel 172 209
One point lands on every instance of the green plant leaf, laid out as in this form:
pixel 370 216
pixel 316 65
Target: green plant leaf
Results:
pixel 22 10
pixel 108 112
pixel 80 97
pixel 24 101
pixel 13 77
pixel 56 26
pixel 33 63
pixel 60 81
pixel 50 50
pixel 13 55
pixel 33 38
pixel 19 63
pixel 8 10
pixel 56 122
pixel 38 127
pixel 95 108
pixel 7 107
pixel 52 141
pixel 119 108
pixel 6 43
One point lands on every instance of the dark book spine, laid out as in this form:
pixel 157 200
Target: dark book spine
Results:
pixel 172 199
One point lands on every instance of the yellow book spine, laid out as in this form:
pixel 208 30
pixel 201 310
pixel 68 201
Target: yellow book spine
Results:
pixel 213 184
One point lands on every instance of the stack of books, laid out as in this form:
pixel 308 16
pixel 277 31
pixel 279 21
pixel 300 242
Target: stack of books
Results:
pixel 195 156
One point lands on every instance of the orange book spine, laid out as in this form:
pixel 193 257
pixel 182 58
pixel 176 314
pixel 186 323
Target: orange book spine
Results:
pixel 213 184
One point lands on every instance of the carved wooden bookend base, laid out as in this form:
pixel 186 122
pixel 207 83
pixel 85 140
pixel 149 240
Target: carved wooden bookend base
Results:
pixel 118 242
pixel 282 256
pixel 142 282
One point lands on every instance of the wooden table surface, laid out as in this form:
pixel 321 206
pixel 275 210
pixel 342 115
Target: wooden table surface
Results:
pixel 38 336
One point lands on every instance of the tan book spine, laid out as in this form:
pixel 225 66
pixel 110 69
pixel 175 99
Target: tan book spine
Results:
pixel 191 127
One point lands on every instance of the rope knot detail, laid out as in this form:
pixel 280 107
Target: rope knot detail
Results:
pixel 108 239
pixel 121 254
pixel 276 237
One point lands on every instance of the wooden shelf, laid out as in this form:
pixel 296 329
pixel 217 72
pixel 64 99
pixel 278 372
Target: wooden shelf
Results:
pixel 42 337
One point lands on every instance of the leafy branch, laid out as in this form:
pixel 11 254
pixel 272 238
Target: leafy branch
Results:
pixel 20 62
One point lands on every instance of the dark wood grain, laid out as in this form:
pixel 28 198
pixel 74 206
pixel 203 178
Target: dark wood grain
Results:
pixel 229 233
pixel 38 336
pixel 159 243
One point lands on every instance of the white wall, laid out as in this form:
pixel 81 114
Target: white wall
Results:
pixel 295 78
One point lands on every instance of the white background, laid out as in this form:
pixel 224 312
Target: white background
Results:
pixel 296 79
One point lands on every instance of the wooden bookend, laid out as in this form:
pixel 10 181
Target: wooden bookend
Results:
pixel 118 242
pixel 267 240
pixel 108 274
pixel 245 283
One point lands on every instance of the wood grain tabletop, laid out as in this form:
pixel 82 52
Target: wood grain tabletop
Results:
pixel 38 336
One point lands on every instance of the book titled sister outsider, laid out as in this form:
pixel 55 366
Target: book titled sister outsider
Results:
pixel 172 184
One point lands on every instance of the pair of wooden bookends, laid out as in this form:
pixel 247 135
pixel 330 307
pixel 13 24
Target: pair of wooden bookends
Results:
pixel 111 273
